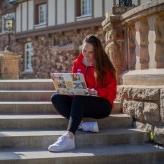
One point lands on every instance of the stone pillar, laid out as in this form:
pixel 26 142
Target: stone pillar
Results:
pixel 9 65
pixel 142 54
pixel 152 41
pixel 159 30
pixel 131 55
pixel 114 38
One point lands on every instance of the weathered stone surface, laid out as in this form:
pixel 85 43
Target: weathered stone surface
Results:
pixel 162 104
pixel 133 108
pixel 140 93
pixel 159 134
pixel 144 126
pixel 151 112
pixel 128 108
pixel 114 37
pixel 119 97
pixel 145 93
pixel 126 92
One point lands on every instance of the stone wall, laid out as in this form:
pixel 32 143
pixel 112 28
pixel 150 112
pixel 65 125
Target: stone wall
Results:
pixel 53 52
pixel 145 104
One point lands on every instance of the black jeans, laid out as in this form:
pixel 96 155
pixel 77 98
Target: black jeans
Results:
pixel 76 107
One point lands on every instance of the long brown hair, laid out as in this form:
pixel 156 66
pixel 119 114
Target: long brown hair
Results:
pixel 102 61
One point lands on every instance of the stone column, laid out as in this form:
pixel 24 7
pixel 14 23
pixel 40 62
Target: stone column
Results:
pixel 152 40
pixel 9 65
pixel 142 54
pixel 159 31
pixel 115 44
pixel 131 47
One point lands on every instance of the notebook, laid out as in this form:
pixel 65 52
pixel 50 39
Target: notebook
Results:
pixel 70 83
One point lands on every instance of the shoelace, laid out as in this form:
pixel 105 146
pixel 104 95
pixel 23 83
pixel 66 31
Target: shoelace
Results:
pixel 88 126
pixel 61 139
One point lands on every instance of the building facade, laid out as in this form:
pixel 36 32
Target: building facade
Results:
pixel 48 33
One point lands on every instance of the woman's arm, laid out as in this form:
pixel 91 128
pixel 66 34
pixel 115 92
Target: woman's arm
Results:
pixel 110 90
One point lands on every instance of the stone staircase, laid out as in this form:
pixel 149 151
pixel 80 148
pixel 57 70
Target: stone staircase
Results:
pixel 29 123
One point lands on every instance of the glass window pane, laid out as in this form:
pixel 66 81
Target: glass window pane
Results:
pixel 86 7
pixel 42 13
pixel 28 56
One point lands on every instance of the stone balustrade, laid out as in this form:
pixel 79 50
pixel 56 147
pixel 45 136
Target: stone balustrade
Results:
pixel 135 44
pixel 135 39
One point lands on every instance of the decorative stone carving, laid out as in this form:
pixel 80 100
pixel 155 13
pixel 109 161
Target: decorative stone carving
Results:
pixel 115 44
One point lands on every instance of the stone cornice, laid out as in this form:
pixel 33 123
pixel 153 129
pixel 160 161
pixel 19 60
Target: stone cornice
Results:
pixel 143 10
pixel 61 28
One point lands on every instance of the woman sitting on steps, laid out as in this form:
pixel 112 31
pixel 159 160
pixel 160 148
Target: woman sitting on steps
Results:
pixel 100 78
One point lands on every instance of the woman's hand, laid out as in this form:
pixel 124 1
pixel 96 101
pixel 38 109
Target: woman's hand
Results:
pixel 92 91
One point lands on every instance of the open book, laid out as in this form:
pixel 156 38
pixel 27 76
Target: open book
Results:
pixel 70 83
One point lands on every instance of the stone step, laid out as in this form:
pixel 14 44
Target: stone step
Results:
pixel 25 95
pixel 37 107
pixel 116 154
pixel 27 84
pixel 58 122
pixel 43 138
pixel 25 107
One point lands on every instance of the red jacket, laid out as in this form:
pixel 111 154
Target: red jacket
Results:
pixel 108 91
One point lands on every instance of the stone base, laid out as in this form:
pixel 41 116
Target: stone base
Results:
pixel 144 77
pixel 159 134
pixel 146 106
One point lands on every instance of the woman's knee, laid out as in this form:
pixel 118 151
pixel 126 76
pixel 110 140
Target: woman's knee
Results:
pixel 55 97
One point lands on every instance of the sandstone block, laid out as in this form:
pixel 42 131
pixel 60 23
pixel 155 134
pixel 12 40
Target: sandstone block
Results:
pixel 143 126
pixel 134 109
pixel 145 94
pixel 162 104
pixel 151 113
pixel 159 134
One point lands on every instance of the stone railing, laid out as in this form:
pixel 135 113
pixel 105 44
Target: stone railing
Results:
pixel 135 39
pixel 145 35
pixel 135 44
pixel 121 6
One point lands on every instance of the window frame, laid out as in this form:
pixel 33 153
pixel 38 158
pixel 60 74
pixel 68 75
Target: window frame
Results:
pixel 80 8
pixel 37 4
pixel 28 53
pixel 44 5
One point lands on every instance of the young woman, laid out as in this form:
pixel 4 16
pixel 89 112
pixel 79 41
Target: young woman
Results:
pixel 99 75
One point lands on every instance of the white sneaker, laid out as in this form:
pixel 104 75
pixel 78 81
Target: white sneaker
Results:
pixel 63 143
pixel 89 126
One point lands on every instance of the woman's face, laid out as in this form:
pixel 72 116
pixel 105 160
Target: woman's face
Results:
pixel 88 52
